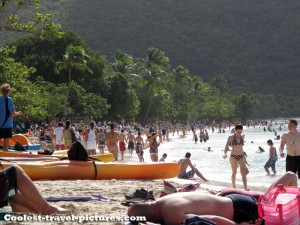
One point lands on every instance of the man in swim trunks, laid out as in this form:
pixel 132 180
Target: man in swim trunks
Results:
pixel 231 209
pixel 292 142
pixel 130 139
pixel 112 139
pixel 17 189
pixel 122 140
pixel 184 163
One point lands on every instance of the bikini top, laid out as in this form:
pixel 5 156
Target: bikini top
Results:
pixel 235 142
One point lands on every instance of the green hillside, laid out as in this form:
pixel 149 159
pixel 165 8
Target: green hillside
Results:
pixel 253 44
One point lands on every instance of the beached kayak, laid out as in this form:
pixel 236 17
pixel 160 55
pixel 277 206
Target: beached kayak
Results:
pixel 21 159
pixel 70 170
pixel 23 140
pixel 103 157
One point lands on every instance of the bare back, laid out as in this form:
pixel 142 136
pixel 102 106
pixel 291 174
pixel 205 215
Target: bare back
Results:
pixel 175 210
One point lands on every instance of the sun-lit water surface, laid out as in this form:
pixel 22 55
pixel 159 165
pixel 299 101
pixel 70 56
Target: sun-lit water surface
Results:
pixel 214 167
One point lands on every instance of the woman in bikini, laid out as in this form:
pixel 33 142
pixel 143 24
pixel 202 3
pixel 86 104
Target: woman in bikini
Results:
pixel 237 157
pixel 112 139
pixel 154 147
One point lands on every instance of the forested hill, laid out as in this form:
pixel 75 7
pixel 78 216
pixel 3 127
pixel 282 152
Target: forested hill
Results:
pixel 254 44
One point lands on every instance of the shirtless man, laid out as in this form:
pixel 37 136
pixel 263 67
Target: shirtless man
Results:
pixel 231 209
pixel 122 141
pixel 184 163
pixel 130 139
pixel 112 139
pixel 292 142
pixel 139 145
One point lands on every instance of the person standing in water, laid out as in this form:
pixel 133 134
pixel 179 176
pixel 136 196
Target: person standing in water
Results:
pixel 272 158
pixel 237 157
pixel 112 139
pixel 292 142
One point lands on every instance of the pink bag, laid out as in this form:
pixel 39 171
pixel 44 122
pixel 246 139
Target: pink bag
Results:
pixel 280 206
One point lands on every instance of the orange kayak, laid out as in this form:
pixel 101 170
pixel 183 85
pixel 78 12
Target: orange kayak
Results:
pixel 70 170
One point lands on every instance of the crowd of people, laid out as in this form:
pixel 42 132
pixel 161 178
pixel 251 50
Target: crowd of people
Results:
pixel 18 190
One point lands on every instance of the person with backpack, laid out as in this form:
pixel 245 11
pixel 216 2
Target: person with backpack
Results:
pixel 7 112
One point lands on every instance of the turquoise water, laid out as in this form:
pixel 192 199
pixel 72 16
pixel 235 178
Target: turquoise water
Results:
pixel 215 168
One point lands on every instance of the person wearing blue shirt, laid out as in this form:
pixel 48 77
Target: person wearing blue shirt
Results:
pixel 7 112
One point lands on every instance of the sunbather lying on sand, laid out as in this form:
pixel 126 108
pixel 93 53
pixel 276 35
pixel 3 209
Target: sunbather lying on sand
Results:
pixel 228 210
pixel 17 189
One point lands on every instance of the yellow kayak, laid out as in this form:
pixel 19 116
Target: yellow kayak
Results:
pixel 103 157
pixel 70 170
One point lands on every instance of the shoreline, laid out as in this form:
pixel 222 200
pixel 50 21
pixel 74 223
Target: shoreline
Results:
pixel 113 191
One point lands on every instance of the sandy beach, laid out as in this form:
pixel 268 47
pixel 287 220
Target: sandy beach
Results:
pixel 111 192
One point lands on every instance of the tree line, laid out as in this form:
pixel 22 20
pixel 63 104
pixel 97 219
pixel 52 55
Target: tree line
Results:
pixel 54 73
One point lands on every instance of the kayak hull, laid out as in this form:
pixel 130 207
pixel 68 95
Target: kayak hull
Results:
pixel 70 170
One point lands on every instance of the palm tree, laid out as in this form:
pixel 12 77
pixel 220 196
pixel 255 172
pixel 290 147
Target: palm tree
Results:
pixel 123 64
pixel 153 70
pixel 74 58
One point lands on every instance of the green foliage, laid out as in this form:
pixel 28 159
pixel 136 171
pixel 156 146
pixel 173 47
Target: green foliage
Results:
pixel 253 44
pixel 16 16
pixel 25 94
pixel 244 106
pixel 84 103
pixel 74 58
pixel 122 98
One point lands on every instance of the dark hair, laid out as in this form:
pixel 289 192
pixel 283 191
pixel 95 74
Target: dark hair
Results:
pixel 92 124
pixel 122 131
pixel 68 123
pixel 139 133
pixel 270 142
pixel 239 127
pixel 187 155
pixel 153 134
pixel 112 126
pixel 60 124
pixel 294 122
pixel 165 154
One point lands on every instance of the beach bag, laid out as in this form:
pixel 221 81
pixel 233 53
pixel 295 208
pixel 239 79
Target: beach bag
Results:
pixel 280 206
pixel 19 147
pixel 46 152
pixel 77 152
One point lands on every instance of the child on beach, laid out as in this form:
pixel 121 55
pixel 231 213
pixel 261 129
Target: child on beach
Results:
pixel 272 158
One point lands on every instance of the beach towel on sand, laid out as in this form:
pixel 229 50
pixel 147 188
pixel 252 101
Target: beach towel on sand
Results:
pixel 80 199
pixel 170 188
pixel 5 212
pixel 196 220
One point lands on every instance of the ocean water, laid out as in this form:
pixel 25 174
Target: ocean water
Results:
pixel 218 170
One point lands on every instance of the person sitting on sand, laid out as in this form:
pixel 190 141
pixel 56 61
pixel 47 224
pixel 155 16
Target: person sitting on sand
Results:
pixel 164 156
pixel 18 190
pixel 226 210
pixel 184 163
